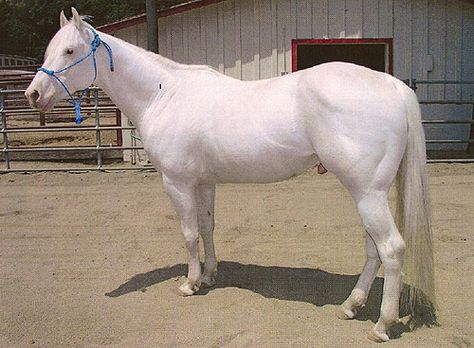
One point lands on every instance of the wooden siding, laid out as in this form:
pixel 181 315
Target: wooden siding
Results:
pixel 251 39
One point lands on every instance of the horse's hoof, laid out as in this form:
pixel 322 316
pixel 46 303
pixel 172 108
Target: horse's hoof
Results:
pixel 208 283
pixel 377 337
pixel 187 289
pixel 344 313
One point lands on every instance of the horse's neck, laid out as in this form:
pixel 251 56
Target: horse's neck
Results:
pixel 136 80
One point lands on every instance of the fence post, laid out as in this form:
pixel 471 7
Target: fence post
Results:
pixel 97 129
pixel 4 130
pixel 470 146
pixel 118 122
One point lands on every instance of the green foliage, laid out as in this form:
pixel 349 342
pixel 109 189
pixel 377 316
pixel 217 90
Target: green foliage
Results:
pixel 26 26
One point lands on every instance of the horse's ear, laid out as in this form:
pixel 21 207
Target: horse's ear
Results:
pixel 76 18
pixel 62 19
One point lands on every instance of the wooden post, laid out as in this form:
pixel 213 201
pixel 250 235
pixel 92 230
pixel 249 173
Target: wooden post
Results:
pixel 118 122
pixel 470 146
pixel 152 26
pixel 42 119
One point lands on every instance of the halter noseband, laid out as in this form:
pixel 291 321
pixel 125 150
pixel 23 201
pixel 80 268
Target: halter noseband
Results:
pixel 96 42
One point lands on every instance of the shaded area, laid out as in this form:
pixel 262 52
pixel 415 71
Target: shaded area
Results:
pixel 309 285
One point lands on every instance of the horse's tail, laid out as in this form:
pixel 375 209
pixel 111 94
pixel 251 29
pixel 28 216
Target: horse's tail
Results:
pixel 414 221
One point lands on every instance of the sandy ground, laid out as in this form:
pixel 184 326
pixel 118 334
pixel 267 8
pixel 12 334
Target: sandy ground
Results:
pixel 89 260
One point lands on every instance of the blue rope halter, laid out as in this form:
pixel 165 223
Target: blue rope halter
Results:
pixel 96 42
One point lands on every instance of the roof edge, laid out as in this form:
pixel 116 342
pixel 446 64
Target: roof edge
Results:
pixel 141 18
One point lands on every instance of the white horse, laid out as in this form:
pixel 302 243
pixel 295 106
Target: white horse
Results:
pixel 200 128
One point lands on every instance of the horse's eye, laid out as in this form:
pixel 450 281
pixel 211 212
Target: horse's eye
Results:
pixel 69 51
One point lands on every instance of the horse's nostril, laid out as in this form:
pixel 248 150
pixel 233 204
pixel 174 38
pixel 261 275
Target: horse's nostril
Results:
pixel 32 96
pixel 35 95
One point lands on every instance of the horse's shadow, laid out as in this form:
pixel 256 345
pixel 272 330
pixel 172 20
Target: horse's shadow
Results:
pixel 309 285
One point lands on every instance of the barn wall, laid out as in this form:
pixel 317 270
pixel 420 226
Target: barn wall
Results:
pixel 433 39
pixel 251 39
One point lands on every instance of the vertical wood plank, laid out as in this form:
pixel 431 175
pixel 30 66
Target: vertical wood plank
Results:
pixel 203 34
pixel 320 19
pixel 256 41
pixel 133 35
pixel 385 18
pixel 304 19
pixel 176 32
pixel 290 35
pixel 453 48
pixel 142 35
pixel 238 38
pixel 212 36
pixel 370 18
pixel 195 54
pixel 186 26
pixel 274 38
pixel 336 19
pixel 266 47
pixel 419 47
pixel 220 34
pixel 169 42
pixel 402 39
pixel 163 36
pixel 353 20
pixel 468 51
pixel 286 30
pixel 247 39
pixel 230 53
pixel 437 45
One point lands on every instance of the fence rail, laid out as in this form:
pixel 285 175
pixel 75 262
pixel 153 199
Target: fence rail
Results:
pixel 468 155
pixel 95 110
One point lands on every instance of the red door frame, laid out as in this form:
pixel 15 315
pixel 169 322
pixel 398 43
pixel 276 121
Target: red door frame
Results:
pixel 388 42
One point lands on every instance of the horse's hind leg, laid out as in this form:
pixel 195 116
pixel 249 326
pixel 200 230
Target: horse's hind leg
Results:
pixel 359 294
pixel 378 222
pixel 205 198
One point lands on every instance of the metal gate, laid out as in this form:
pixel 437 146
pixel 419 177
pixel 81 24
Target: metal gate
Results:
pixel 454 128
pixel 100 116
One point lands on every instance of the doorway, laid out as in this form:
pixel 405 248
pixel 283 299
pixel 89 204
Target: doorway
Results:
pixel 372 53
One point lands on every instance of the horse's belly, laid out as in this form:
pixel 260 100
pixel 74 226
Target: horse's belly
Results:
pixel 270 167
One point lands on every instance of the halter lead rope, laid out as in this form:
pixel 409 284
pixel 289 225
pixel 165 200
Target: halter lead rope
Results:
pixel 96 42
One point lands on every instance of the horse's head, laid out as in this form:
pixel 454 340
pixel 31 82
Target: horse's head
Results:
pixel 69 45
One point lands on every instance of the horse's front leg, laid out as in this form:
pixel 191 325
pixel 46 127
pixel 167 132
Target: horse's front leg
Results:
pixel 183 196
pixel 205 197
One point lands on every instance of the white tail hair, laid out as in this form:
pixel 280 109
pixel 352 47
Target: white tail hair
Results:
pixel 414 221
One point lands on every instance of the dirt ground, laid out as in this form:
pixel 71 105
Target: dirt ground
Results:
pixel 90 260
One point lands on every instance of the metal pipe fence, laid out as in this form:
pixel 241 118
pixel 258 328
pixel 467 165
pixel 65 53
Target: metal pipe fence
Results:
pixel 468 155
pixel 14 106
